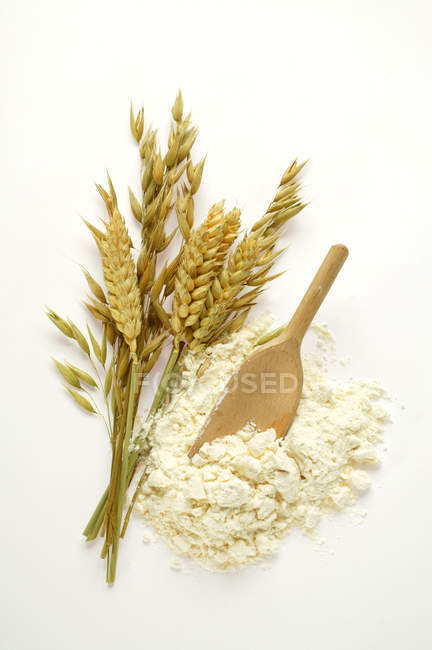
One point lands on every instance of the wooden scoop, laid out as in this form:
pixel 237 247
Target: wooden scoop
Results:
pixel 267 388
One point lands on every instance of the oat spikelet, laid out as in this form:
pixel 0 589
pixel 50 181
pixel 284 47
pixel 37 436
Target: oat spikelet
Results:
pixel 203 255
pixel 121 280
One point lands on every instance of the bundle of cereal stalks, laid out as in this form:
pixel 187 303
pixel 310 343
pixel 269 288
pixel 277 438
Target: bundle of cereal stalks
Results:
pixel 201 295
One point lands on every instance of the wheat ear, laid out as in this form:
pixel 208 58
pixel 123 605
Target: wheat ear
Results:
pixel 249 264
pixel 121 279
pixel 203 255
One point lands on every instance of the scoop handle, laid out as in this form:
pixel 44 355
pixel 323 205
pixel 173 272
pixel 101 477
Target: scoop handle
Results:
pixel 318 289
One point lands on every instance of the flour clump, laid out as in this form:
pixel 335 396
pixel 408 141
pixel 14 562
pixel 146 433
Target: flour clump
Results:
pixel 233 502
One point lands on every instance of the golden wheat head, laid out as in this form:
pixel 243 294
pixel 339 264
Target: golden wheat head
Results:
pixel 121 279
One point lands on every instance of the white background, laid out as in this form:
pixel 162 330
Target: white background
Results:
pixel 346 84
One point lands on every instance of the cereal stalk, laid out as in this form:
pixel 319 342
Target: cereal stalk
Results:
pixel 156 404
pixel 111 572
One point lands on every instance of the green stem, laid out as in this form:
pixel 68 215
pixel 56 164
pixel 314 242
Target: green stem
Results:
pixel 93 526
pixel 163 384
pixel 88 530
pixel 157 401
pixel 123 474
pixel 107 406
pixel 270 336
pixel 132 503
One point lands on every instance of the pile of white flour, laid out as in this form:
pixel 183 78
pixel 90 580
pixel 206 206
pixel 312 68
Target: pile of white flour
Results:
pixel 234 501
